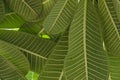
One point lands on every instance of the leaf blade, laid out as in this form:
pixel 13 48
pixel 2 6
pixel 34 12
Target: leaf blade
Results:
pixel 60 17
pixel 36 49
pixel 53 69
pixel 14 64
pixel 86 59
pixel 111 31
pixel 2 10
pixel 47 7
pixel 11 20
pixel 114 67
pixel 26 8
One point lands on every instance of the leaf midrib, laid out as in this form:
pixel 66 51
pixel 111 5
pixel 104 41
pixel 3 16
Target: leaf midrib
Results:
pixel 61 75
pixel 27 51
pixel 31 52
pixel 29 7
pixel 110 76
pixel 111 19
pixel 12 66
pixel 44 2
pixel 84 37
pixel 58 16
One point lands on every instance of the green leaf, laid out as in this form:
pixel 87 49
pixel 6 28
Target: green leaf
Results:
pixel 13 64
pixel 36 49
pixel 32 76
pixel 2 10
pixel 7 8
pixel 11 20
pixel 114 67
pixel 64 77
pixel 10 72
pixel 32 28
pixel 36 29
pixel 110 23
pixel 116 4
pixel 53 69
pixel 36 5
pixel 28 9
pixel 86 59
pixel 60 17
pixel 47 7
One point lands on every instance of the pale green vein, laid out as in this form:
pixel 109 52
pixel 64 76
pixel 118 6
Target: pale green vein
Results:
pixel 58 15
pixel 111 19
pixel 31 52
pixel 29 6
pixel 45 1
pixel 109 77
pixel 84 38
pixel 61 75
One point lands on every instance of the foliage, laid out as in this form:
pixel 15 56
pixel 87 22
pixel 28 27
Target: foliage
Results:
pixel 32 76
pixel 59 40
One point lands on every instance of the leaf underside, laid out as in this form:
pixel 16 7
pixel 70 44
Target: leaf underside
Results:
pixel 2 10
pixel 86 59
pixel 28 9
pixel 116 4
pixel 60 17
pixel 11 20
pixel 36 49
pixel 47 7
pixel 12 62
pixel 53 69
pixel 114 67
pixel 110 25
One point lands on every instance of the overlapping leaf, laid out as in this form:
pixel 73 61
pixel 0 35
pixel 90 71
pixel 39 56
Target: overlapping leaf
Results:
pixel 7 8
pixel 13 64
pixel 9 72
pixel 33 28
pixel 86 59
pixel 36 49
pixel 28 9
pixel 11 20
pixel 60 16
pixel 47 7
pixel 114 67
pixel 111 26
pixel 116 4
pixel 53 69
pixel 36 5
pixel 2 9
